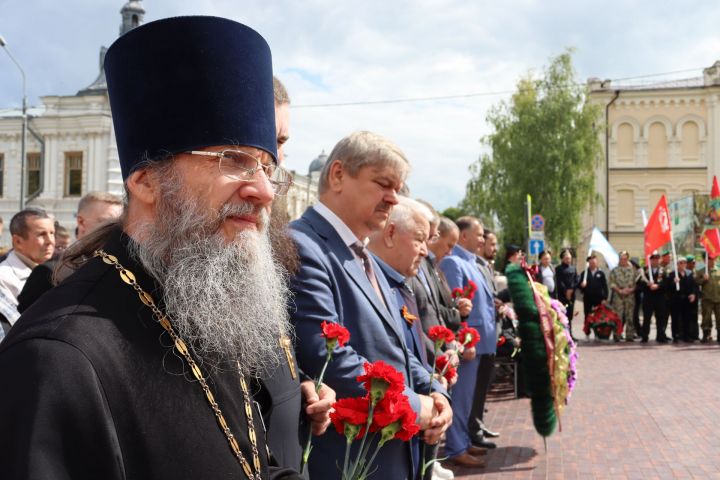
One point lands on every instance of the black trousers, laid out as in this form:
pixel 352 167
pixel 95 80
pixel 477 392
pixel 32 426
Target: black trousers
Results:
pixel 485 377
pixel 589 303
pixel 676 314
pixel 654 305
pixel 570 310
pixel 683 314
pixel 693 328
pixel 636 310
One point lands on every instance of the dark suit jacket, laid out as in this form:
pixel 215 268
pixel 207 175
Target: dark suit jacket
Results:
pixel 488 273
pixel 687 286
pixel 441 295
pixel 565 279
pixel 39 282
pixel 596 289
pixel 331 285
pixel 91 389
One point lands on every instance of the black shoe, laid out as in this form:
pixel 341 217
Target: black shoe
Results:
pixel 489 433
pixel 662 340
pixel 481 442
pixel 644 340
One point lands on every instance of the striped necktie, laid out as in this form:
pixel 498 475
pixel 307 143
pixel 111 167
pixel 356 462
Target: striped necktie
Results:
pixel 362 252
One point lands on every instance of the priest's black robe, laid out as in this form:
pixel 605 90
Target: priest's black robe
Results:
pixel 90 388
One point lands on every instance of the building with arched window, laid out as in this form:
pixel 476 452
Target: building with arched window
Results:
pixel 661 138
pixel 71 149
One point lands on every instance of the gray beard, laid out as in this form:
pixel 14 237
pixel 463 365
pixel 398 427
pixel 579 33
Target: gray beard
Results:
pixel 228 301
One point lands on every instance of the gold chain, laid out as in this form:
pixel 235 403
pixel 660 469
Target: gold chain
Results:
pixel 128 277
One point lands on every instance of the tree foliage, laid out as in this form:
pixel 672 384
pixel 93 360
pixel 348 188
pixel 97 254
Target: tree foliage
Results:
pixel 544 143
pixel 453 213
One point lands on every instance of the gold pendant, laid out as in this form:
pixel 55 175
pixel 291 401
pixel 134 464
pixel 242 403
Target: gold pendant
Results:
pixel 286 344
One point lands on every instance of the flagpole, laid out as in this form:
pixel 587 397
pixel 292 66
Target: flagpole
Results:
pixel 677 278
pixel 645 222
pixel 529 223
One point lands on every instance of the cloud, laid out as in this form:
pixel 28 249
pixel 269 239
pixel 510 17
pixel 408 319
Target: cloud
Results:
pixel 332 52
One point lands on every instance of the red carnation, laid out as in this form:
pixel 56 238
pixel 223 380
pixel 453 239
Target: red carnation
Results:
pixel 395 418
pixel 382 380
pixel 450 374
pixel 350 415
pixel 468 336
pixel 336 333
pixel 457 293
pixel 441 363
pixel 438 333
pixel 470 289
pixel 444 368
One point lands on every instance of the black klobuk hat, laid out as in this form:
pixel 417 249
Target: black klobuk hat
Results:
pixel 187 83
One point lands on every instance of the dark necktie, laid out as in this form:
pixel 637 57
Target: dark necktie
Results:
pixel 362 252
pixel 409 300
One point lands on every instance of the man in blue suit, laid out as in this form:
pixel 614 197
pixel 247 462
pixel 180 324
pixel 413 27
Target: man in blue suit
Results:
pixel 339 281
pixel 459 268
pixel 400 249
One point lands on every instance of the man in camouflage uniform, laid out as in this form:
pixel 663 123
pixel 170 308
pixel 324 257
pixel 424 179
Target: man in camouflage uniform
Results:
pixel 709 281
pixel 622 284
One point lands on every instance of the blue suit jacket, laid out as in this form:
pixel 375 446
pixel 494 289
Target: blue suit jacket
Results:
pixel 332 286
pixel 459 267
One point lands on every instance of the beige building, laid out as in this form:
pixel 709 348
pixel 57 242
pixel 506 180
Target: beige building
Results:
pixel 71 150
pixel 661 138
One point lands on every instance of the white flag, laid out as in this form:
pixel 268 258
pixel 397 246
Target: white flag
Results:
pixel 599 243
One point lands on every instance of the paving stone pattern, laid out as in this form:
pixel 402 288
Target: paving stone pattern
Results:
pixel 639 411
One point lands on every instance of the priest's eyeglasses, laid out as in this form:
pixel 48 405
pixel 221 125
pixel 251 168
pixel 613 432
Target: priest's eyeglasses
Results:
pixel 241 165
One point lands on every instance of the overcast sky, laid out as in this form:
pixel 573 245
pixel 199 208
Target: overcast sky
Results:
pixel 341 51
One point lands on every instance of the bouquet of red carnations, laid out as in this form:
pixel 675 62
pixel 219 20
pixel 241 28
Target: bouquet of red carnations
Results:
pixel 379 416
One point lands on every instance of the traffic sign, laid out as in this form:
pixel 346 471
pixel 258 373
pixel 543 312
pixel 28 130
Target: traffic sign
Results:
pixel 536 246
pixel 537 235
pixel 537 222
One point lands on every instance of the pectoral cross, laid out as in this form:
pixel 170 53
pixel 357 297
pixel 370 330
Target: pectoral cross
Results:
pixel 286 345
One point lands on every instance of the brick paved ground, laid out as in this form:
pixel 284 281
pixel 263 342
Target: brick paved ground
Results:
pixel 638 412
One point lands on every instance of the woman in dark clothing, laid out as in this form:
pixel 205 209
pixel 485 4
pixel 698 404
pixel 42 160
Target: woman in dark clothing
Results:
pixel 566 281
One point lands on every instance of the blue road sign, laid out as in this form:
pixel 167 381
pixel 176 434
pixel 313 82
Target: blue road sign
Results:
pixel 537 222
pixel 536 246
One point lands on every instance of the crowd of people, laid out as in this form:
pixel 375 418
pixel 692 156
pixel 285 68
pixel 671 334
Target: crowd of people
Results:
pixel 180 335
pixel 638 294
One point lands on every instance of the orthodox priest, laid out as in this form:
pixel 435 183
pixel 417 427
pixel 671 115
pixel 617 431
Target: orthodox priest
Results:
pixel 137 366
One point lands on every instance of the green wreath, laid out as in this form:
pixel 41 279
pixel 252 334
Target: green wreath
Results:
pixel 533 355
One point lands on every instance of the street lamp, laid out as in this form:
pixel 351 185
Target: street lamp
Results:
pixel 3 44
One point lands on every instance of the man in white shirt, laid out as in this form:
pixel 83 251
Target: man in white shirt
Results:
pixel 338 281
pixel 33 241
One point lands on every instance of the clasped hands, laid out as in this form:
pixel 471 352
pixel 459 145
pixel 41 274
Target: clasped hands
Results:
pixel 435 416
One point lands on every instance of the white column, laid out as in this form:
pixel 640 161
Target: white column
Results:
pixel 89 163
pixel 712 152
pixel 54 180
pixel 114 173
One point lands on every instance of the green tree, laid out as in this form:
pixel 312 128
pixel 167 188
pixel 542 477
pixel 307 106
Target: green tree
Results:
pixel 453 213
pixel 544 143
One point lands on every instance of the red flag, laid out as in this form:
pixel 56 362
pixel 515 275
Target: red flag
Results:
pixel 715 192
pixel 711 241
pixel 657 230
